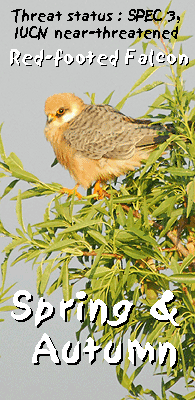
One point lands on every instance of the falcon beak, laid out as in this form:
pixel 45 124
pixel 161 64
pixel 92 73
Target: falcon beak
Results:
pixel 50 118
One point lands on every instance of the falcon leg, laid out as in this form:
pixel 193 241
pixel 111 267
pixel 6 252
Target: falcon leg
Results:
pixel 71 191
pixel 98 190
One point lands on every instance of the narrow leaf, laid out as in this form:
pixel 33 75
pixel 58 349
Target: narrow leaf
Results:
pixel 191 64
pixel 54 163
pixel 2 151
pixel 191 196
pixel 147 88
pixel 19 211
pixel 107 100
pixel 183 278
pixel 142 79
pixel 97 236
pixel 45 276
pixel 183 38
pixel 9 187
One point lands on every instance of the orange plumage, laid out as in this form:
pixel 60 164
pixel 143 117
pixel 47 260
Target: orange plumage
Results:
pixel 97 142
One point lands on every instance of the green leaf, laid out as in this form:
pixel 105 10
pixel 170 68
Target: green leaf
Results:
pixel 3 230
pixel 142 79
pixel 183 38
pixel 2 151
pixel 2 175
pixel 136 295
pixel 65 282
pixel 55 162
pixel 150 71
pixel 139 38
pixel 122 377
pixel 191 64
pixel 108 98
pixel 142 235
pixel 155 155
pixel 144 46
pixel 174 266
pixel 191 196
pixel 183 278
pixel 40 190
pixel 14 162
pixel 156 331
pixel 25 176
pixel 96 262
pixel 192 114
pixel 45 276
pixel 62 245
pixel 177 25
pixel 167 9
pixel 159 100
pixel 136 372
pixel 97 236
pixel 192 150
pixel 92 97
pixel 147 88
pixel 181 144
pixel 186 262
pixel 8 308
pixel 171 221
pixel 180 171
pixel 163 390
pixel 19 258
pixel 152 394
pixel 125 199
pixel 153 43
pixel 120 215
pixel 100 271
pixel 133 253
pixel 19 211
pixel 190 396
pixel 164 206
pixel 9 187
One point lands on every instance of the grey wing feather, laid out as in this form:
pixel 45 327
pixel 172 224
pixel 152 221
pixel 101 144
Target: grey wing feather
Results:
pixel 102 131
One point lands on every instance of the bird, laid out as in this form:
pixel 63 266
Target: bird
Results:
pixel 96 142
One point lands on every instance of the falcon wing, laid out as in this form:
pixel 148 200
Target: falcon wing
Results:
pixel 102 131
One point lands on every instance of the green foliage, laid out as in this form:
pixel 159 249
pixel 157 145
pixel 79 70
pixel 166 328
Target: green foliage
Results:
pixel 3 297
pixel 135 243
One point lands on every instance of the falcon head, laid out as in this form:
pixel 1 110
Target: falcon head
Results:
pixel 61 108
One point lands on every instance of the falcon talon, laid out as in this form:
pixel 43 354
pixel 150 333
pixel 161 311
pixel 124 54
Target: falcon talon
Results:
pixel 70 192
pixel 97 143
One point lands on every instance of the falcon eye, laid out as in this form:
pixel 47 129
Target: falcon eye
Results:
pixel 60 112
